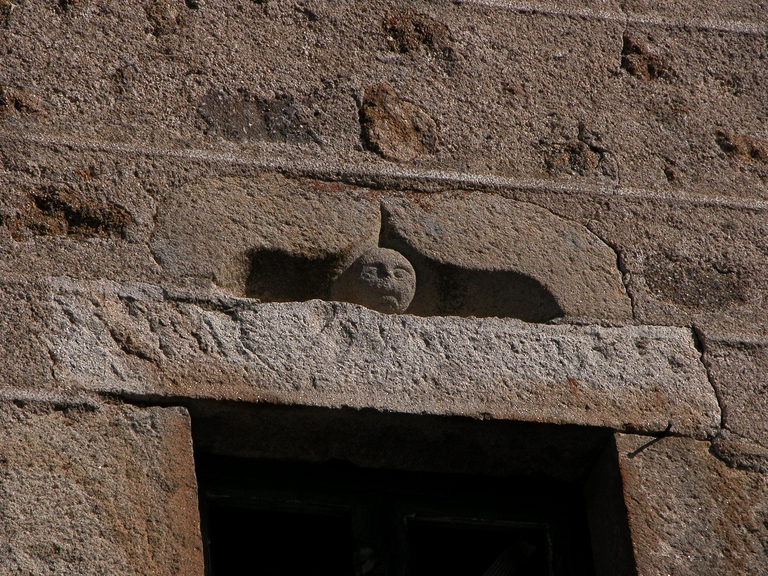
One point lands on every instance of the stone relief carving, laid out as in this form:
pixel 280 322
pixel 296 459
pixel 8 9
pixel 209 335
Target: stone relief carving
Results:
pixel 380 279
pixel 457 253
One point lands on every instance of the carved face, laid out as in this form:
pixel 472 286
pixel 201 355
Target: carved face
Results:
pixel 380 279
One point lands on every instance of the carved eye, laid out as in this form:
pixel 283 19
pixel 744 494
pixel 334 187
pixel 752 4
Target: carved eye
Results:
pixel 401 274
pixel 369 272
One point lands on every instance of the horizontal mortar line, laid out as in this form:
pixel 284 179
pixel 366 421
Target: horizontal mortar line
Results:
pixel 698 23
pixel 324 168
pixel 737 338
pixel 68 397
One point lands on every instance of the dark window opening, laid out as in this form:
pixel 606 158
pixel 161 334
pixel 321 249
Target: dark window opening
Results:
pixel 297 490
pixel 277 518
pixel 278 542
pixel 443 547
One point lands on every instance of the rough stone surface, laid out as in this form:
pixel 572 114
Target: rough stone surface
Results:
pixel 412 32
pixel 82 215
pixel 24 360
pixel 140 340
pixel 94 489
pixel 244 117
pixel 514 89
pixel 743 146
pixel 489 234
pixel 163 158
pixel 395 128
pixel 60 211
pixel 268 237
pixel 736 15
pixel 689 513
pixel 738 368
pixel 279 240
pixel 685 261
pixel 640 61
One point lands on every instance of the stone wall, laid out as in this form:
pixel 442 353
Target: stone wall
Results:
pixel 580 188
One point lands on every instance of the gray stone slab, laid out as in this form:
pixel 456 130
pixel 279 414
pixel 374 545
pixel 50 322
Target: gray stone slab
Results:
pixel 689 513
pixel 141 340
pixel 94 489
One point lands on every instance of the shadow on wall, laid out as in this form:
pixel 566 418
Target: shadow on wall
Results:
pixel 278 276
pixel 447 290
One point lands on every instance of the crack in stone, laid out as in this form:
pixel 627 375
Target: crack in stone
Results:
pixel 700 341
pixel 621 265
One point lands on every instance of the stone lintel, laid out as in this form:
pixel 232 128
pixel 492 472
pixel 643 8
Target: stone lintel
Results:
pixel 142 340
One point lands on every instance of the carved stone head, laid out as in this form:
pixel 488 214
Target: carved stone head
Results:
pixel 380 279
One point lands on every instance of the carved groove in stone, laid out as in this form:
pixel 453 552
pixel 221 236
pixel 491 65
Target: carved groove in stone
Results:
pixel 473 254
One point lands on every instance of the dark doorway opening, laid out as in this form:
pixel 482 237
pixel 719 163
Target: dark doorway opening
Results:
pixel 386 494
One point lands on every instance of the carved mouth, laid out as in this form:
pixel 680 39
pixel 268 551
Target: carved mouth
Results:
pixel 389 302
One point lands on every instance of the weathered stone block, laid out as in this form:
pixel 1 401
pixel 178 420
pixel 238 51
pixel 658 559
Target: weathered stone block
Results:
pixel 280 240
pixel 689 514
pixel 82 214
pixel 511 90
pixel 686 260
pixel 94 489
pixel 395 128
pixel 140 340
pixel 268 237
pixel 24 361
pixel 681 78
pixel 738 368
